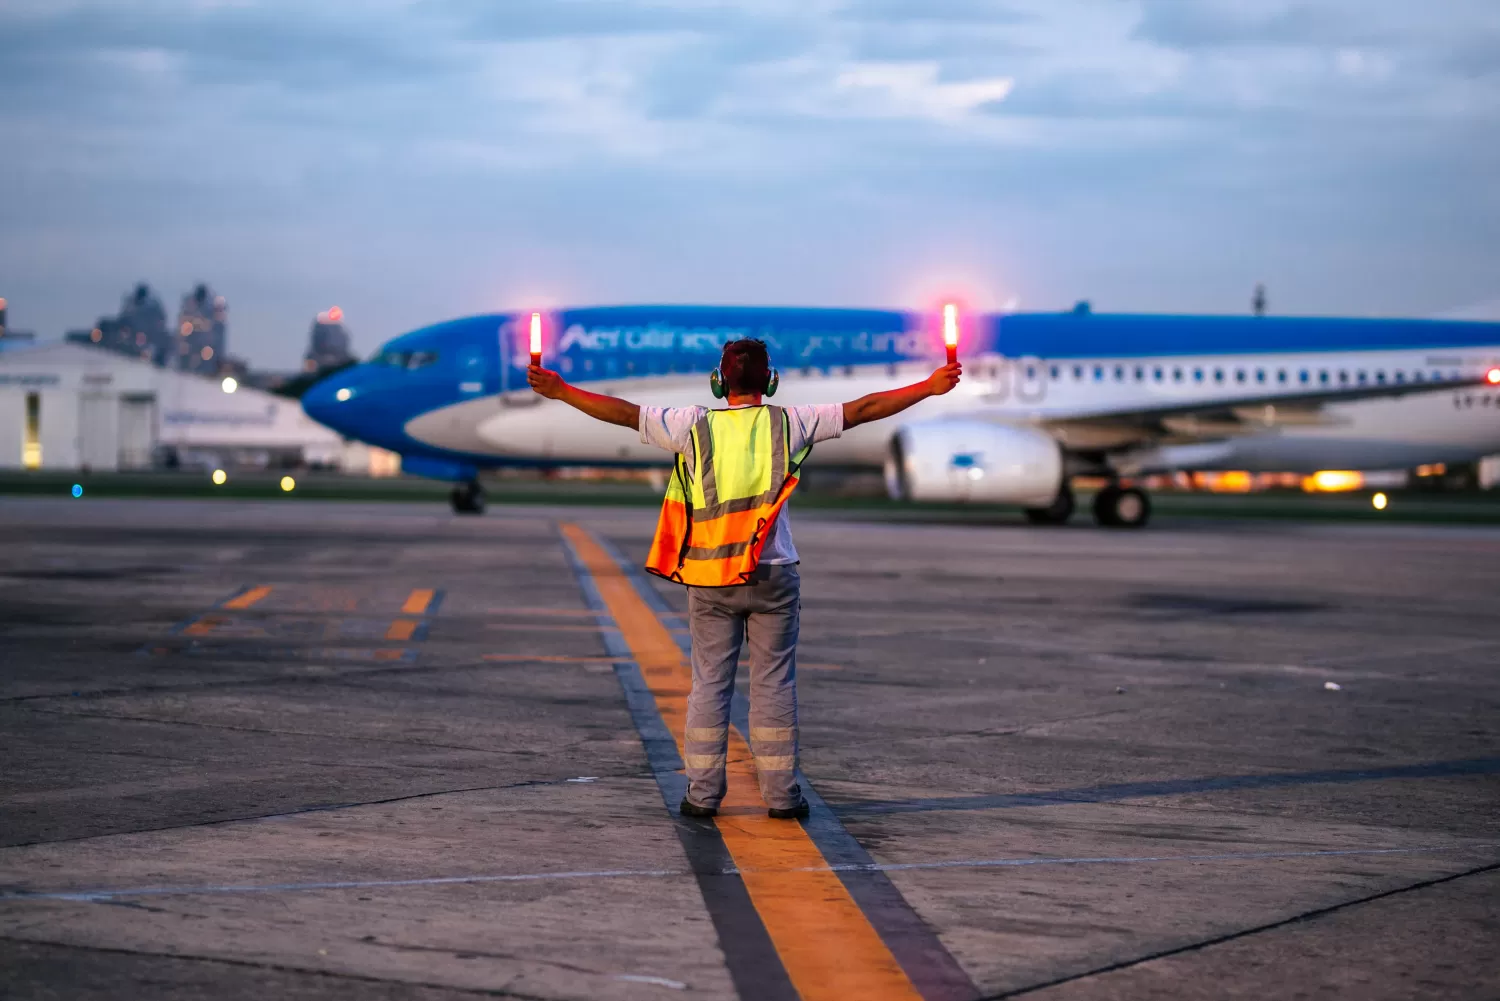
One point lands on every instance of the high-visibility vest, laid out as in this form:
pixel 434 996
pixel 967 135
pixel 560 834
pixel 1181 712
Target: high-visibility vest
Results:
pixel 723 498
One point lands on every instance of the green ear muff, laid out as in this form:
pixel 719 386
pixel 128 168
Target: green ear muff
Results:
pixel 716 384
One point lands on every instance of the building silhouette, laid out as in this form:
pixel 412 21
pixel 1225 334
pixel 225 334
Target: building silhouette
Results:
pixel 327 342
pixel 201 333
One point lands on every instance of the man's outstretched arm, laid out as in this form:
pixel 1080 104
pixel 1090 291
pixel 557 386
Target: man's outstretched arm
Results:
pixel 604 408
pixel 878 406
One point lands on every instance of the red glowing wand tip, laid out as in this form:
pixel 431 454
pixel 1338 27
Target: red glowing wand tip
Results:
pixel 536 339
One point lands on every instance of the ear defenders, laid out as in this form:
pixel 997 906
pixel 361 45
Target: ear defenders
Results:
pixel 716 384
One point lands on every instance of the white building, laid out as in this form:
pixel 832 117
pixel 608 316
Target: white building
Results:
pixel 67 406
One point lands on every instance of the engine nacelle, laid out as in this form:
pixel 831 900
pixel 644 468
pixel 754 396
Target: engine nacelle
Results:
pixel 973 461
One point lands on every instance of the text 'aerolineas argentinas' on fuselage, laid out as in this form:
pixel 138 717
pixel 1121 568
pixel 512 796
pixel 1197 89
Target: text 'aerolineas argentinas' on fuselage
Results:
pixel 711 340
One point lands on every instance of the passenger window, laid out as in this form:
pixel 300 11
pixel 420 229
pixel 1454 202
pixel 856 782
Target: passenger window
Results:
pixel 1140 374
pixel 1078 372
pixel 1343 377
pixel 1323 376
pixel 1260 375
pixel 1218 375
pixel 1156 373
pixel 1098 373
pixel 1197 375
pixel 1030 371
pixel 1361 377
pixel 1054 372
pixel 1303 376
pixel 1176 375
pixel 1281 376
pixel 1119 373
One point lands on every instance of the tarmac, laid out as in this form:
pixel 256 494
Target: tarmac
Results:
pixel 378 751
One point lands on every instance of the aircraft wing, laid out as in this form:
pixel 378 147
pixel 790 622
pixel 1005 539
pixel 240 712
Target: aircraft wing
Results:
pixel 1107 428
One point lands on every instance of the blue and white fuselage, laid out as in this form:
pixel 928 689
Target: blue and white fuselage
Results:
pixel 1121 393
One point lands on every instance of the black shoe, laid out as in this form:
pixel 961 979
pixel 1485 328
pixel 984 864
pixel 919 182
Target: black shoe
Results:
pixel 798 812
pixel 694 810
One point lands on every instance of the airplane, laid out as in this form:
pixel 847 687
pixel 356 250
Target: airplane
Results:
pixel 1045 397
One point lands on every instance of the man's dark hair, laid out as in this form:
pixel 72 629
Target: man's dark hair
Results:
pixel 745 366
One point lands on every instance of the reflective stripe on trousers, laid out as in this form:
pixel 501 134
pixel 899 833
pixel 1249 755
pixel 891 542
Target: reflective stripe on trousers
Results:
pixel 762 615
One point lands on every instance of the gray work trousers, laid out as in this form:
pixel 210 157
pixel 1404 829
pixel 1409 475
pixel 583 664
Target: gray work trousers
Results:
pixel 765 614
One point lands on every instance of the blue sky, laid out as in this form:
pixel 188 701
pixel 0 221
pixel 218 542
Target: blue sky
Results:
pixel 412 161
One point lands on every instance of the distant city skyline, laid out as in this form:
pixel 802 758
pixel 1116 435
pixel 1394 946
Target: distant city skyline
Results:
pixel 416 162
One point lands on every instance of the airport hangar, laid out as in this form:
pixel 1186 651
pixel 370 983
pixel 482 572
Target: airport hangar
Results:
pixel 69 406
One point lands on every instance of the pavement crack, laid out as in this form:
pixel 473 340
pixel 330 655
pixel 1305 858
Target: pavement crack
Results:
pixel 321 808
pixel 259 729
pixel 1313 914
pixel 278 967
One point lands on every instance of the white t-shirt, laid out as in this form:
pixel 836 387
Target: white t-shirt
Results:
pixel 671 428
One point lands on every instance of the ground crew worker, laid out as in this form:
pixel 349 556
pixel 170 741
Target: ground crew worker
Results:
pixel 723 532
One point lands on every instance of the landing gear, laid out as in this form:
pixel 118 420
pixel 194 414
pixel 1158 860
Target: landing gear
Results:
pixel 468 498
pixel 1056 513
pixel 1122 507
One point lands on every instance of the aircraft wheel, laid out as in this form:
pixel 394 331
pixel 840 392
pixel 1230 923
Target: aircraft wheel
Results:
pixel 468 498
pixel 1056 513
pixel 1122 507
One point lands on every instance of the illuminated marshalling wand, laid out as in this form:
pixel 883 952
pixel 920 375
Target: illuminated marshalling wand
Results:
pixel 536 339
pixel 950 331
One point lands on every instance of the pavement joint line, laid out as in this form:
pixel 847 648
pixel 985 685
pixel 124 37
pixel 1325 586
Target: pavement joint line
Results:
pixel 278 967
pixel 1242 933
pixel 1176 787
pixel 286 814
pixel 826 942
pixel 105 894
pixel 267 730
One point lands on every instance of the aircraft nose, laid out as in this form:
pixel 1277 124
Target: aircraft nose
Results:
pixel 325 402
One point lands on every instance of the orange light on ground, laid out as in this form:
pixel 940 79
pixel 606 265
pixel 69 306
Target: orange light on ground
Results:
pixel 536 338
pixel 950 331
pixel 1379 502
pixel 1493 377
pixel 1332 481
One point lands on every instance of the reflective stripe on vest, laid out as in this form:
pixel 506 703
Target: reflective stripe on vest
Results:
pixel 722 501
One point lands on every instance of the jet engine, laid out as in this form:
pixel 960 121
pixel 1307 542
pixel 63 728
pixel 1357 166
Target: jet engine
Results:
pixel 973 461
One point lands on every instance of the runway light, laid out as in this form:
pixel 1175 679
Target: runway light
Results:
pixel 288 484
pixel 536 338
pixel 78 490
pixel 1493 377
pixel 1379 501
pixel 343 394
pixel 220 477
pixel 950 331
pixel 230 384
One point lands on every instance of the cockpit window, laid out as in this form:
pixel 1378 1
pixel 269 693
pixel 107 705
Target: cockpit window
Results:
pixel 404 359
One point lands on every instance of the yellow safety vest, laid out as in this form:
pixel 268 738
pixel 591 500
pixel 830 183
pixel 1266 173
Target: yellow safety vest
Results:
pixel 723 499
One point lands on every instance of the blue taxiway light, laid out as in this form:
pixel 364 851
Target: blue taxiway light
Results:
pixel 77 490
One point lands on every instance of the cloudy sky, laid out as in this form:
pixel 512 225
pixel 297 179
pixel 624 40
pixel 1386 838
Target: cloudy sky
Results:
pixel 412 160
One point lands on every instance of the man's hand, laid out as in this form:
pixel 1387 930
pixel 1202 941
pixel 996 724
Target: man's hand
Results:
pixel 944 379
pixel 546 382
